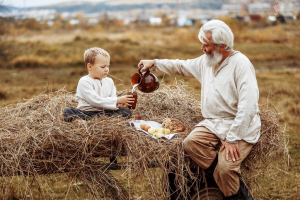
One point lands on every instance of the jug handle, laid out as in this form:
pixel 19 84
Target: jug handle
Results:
pixel 140 67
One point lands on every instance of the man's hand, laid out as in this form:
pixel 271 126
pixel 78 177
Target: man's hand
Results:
pixel 232 150
pixel 147 64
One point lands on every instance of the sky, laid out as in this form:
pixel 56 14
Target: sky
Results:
pixel 35 3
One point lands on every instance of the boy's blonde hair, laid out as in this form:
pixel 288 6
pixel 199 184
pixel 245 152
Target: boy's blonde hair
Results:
pixel 91 54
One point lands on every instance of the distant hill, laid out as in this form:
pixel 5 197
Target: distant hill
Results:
pixel 122 5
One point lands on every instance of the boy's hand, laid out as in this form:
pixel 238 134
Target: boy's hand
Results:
pixel 147 64
pixel 126 100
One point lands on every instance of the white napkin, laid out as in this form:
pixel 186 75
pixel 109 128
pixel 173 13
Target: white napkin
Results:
pixel 153 124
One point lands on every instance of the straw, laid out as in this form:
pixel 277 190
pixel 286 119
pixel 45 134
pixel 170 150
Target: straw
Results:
pixel 35 141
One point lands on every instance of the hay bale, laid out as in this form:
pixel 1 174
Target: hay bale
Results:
pixel 35 140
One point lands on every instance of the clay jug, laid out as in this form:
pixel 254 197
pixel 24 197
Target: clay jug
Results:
pixel 147 81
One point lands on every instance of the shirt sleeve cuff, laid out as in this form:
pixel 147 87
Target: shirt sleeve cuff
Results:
pixel 232 142
pixel 155 66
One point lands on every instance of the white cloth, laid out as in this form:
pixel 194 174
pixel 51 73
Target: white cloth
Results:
pixel 93 94
pixel 153 124
pixel 229 96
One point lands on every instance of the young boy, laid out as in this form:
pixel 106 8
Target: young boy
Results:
pixel 96 93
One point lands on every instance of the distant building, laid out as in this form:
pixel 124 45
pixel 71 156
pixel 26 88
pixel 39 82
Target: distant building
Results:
pixel 183 21
pixel 259 8
pixel 234 8
pixel 74 21
pixel 283 12
pixel 65 15
pixel 127 21
pixel 285 8
pixel 38 14
pixel 93 21
pixel 155 20
pixel 92 18
pixel 252 18
pixel 203 18
pixel 243 10
pixel 50 23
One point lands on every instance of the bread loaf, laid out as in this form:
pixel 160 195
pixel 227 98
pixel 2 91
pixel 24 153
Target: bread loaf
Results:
pixel 174 125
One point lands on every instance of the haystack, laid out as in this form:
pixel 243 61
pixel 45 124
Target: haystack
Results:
pixel 35 142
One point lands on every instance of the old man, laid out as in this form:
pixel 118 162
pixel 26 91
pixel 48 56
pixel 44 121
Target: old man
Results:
pixel 229 103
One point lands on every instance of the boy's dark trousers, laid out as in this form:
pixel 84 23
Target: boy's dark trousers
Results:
pixel 73 113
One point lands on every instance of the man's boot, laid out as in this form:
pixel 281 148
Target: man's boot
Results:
pixel 236 196
pixel 242 194
pixel 209 172
pixel 245 192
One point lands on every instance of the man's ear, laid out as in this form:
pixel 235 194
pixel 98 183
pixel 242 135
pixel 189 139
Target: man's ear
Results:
pixel 222 47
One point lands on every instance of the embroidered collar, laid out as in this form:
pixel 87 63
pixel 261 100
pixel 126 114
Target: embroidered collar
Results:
pixel 224 63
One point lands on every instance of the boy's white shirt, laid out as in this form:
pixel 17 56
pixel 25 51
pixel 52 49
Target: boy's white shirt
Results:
pixel 229 96
pixel 94 94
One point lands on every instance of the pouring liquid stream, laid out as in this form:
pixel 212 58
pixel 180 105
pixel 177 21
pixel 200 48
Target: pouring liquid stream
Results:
pixel 134 87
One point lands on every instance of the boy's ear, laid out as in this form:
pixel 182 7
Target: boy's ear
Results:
pixel 88 65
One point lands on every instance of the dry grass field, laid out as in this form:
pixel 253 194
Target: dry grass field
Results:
pixel 35 62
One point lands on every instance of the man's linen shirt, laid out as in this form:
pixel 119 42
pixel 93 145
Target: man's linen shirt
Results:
pixel 229 96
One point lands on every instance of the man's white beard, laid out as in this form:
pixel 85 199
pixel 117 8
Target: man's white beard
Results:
pixel 213 59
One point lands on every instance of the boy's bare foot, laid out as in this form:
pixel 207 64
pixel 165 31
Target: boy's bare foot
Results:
pixel 78 121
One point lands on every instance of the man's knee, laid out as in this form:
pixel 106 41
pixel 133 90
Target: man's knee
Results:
pixel 187 142
pixel 193 144
pixel 225 168
pixel 227 176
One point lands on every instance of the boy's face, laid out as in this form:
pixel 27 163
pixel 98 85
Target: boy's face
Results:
pixel 100 68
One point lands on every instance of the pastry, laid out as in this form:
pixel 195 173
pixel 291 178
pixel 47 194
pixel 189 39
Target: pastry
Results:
pixel 174 125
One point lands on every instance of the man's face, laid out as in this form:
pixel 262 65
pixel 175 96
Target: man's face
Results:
pixel 213 55
pixel 208 47
pixel 100 68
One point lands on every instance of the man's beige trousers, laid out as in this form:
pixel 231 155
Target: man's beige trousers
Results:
pixel 201 145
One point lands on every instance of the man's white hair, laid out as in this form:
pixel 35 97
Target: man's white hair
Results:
pixel 221 33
